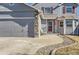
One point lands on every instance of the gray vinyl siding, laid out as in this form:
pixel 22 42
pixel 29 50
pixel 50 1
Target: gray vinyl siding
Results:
pixel 40 5
pixel 11 25
pixel 61 30
pixel 16 7
pixel 16 27
pixel 69 30
pixel 17 14
pixel 69 26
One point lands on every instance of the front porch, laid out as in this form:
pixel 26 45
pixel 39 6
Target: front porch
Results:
pixel 49 26
pixel 62 25
pixel 70 26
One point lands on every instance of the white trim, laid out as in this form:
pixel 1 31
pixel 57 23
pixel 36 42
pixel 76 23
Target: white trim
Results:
pixel 52 26
pixel 55 26
pixel 45 10
pixel 46 26
pixel 73 25
pixel 64 23
pixel 66 10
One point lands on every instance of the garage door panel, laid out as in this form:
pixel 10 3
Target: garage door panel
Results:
pixel 9 26
pixel 14 28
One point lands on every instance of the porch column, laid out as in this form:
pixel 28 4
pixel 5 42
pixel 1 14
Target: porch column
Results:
pixel 73 23
pixel 64 23
pixel 37 27
pixel 56 26
pixel 46 26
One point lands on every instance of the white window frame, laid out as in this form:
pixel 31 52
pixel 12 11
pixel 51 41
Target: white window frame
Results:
pixel 67 7
pixel 46 12
pixel 69 24
pixel 51 25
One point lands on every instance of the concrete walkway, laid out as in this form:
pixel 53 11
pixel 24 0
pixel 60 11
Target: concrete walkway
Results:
pixel 50 50
pixel 23 45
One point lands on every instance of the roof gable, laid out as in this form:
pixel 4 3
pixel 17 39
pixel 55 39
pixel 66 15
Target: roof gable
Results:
pixel 15 7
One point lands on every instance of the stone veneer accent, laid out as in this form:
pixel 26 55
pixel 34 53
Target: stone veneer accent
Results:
pixel 37 25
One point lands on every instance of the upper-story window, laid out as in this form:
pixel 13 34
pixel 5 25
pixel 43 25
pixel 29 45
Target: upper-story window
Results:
pixel 69 9
pixel 47 10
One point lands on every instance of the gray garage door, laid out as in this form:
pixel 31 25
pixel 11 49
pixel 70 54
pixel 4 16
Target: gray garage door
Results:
pixel 16 28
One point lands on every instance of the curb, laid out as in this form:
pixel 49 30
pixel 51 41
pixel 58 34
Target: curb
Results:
pixel 75 42
pixel 54 51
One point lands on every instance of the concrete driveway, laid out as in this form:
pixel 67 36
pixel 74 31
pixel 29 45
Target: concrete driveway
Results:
pixel 24 45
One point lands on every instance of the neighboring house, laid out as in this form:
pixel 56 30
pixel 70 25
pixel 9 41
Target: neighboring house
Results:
pixel 17 20
pixel 58 18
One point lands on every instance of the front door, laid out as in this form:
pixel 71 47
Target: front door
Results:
pixel 49 26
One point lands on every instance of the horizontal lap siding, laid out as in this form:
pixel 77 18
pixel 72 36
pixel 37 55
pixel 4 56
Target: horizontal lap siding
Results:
pixel 17 14
pixel 16 20
pixel 69 30
pixel 17 27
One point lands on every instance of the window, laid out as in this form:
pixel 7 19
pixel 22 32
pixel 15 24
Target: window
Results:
pixel 69 9
pixel 50 23
pixel 69 22
pixel 47 10
pixel 61 24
